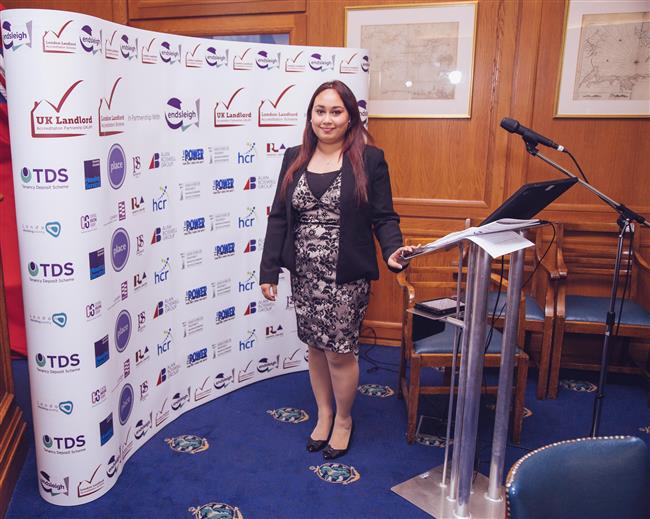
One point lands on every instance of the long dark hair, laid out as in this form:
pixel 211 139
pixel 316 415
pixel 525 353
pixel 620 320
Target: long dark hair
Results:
pixel 356 137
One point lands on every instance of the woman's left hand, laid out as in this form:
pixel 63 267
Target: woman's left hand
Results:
pixel 397 259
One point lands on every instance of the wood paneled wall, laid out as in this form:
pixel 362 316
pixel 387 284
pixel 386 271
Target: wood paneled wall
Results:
pixel 444 170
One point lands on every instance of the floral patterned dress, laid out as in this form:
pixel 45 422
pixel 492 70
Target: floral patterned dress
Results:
pixel 329 315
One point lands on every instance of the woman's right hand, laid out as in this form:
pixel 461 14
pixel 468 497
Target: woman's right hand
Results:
pixel 269 291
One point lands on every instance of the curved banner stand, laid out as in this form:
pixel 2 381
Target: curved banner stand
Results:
pixel 144 165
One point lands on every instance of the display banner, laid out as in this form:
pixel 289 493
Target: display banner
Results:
pixel 144 167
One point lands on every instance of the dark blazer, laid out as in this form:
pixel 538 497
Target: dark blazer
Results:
pixel 357 257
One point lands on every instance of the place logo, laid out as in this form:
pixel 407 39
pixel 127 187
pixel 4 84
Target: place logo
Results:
pixel 248 220
pixel 44 178
pixel 272 113
pixel 176 116
pixel 89 41
pixel 321 63
pixel 163 159
pixel 88 222
pixel 59 319
pixel 224 315
pixel 166 343
pixel 93 310
pixel 292 361
pixel 58 41
pixel 350 65
pixel 191 258
pixel 217 58
pixel 264 365
pixel 64 444
pixel 203 391
pixel 166 232
pixel 180 399
pixel 244 375
pixel 223 185
pixel 143 426
pixel 91 485
pixel 92 174
pixel 218 154
pixel 164 306
pixel 267 61
pixel 196 295
pixel 363 111
pixel 189 190
pixel 122 330
pixel 248 341
pixel 243 61
pixel 141 355
pixel 196 357
pixel 66 407
pixel 57 364
pixel 111 122
pixel 224 250
pixel 193 59
pixel 52 486
pixel 273 149
pixel 226 114
pixel 223 380
pixel 102 353
pixel 193 326
pixel 193 156
pixel 162 414
pixel 52 228
pixel 16 36
pixel 160 276
pixel 160 203
pixel 169 53
pixel 50 272
pixel 149 55
pixel 128 48
pixel 273 332
pixel 106 429
pixel 120 249
pixel 58 119
pixel 98 395
pixel 295 63
pixel 125 403
pixel 116 166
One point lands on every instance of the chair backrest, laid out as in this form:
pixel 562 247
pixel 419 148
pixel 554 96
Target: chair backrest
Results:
pixel 593 478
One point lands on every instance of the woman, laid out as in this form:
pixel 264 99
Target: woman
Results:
pixel 333 192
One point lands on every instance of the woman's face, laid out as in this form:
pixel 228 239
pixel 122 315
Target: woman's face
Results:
pixel 329 117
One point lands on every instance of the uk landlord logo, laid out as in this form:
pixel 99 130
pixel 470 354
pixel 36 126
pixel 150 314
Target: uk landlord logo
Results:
pixel 273 112
pixel 111 122
pixel 232 112
pixel 61 118
pixel 148 53
pixel 193 59
pixel 243 61
pixel 59 40
pixel 183 115
pixel 15 36
pixel 295 63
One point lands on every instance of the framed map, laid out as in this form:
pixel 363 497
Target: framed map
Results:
pixel 605 63
pixel 421 57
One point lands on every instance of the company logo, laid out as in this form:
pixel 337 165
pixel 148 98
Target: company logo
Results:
pixel 248 283
pixel 365 64
pixel 223 185
pixel 274 149
pixel 251 308
pixel 137 205
pixel 56 364
pixel 349 66
pixel 191 258
pixel 247 156
pixel 247 221
pixel 243 375
pixel 189 190
pixel 120 249
pixel 292 360
pixel 178 117
pixel 128 49
pixel 16 36
pixel 44 178
pixel 272 112
pixel 166 342
pixel 106 429
pixel 251 246
pixel 192 59
pixel 125 403
pixel 260 182
pixel 216 58
pixel 141 355
pixel 101 351
pixel 162 160
pixel 58 41
pixel 52 486
pixel 243 61
pixel 147 55
pixel 144 390
pixel 51 272
pixel 139 281
pixel 180 399
pixel 161 275
pixel 248 342
pixel 224 250
pixel 363 111
pixel 296 63
pixel 273 332
pixel 91 485
pixel 197 357
pixel 202 391
pixel 111 47
pixel 110 121
pixel 169 54
pixel 267 61
pixel 89 42
pixel 92 175
pixel 53 229
pixel 65 407
pixel 163 414
pixel 167 232
pixel 64 444
pixel 195 295
pixel 226 114
pixel 122 330
pixel 223 380
pixel 265 365
pixel 193 156
pixel 93 310
pixel 98 395
pixel 160 203
pixel 116 166
pixel 192 326
pixel 320 62
pixel 58 119
pixel 227 314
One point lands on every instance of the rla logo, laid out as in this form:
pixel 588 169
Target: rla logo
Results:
pixel 268 61
pixel 161 275
pixel 251 183
pixel 50 270
pixel 44 176
pixel 170 54
pixel 14 37
pixel 247 221
pixel 160 203
pixel 248 342
pixel 53 229
pixel 247 156
pixel 60 319
pixel 89 42
pixel 127 49
pixel 321 63
pixel 178 117
pixel 248 283
pixel 216 58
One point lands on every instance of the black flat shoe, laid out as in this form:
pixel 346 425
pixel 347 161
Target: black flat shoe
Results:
pixel 331 454
pixel 319 445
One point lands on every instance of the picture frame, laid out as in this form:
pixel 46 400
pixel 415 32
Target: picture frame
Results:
pixel 421 57
pixel 604 69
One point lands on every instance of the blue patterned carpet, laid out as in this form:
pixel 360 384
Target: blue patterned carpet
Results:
pixel 259 464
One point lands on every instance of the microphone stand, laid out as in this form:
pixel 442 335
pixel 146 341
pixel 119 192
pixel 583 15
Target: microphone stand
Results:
pixel 624 221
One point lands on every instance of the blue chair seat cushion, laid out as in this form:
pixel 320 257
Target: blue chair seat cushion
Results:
pixel 533 311
pixel 594 310
pixel 443 343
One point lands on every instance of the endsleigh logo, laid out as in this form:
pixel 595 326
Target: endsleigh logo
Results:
pixel 169 54
pixel 89 42
pixel 267 61
pixel 128 50
pixel 110 122
pixel 271 113
pixel 178 117
pixel 227 115
pixel 217 58
pixel 16 36
pixel 321 63
pixel 60 119
pixel 55 41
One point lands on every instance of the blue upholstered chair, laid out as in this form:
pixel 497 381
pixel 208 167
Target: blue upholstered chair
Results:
pixel 426 278
pixel 587 478
pixel 586 257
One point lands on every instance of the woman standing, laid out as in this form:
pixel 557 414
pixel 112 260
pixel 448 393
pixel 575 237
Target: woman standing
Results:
pixel 333 192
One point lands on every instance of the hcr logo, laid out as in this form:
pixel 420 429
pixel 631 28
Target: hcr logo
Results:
pixel 249 342
pixel 248 220
pixel 248 284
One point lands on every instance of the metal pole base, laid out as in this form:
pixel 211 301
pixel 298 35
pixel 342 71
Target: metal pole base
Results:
pixel 425 492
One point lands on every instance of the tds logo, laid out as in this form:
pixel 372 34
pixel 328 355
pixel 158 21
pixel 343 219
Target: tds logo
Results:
pixel 248 343
pixel 248 283
pixel 225 315
pixel 160 203
pixel 63 442
pixel 247 221
pixel 247 156
pixel 196 294
pixel 57 362
pixel 45 176
pixel 50 270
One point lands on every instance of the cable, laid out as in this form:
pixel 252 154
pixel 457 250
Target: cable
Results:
pixel 577 165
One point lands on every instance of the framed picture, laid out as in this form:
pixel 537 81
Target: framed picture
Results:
pixel 605 61
pixel 421 57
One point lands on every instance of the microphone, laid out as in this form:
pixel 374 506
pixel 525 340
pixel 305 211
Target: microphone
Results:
pixel 530 136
